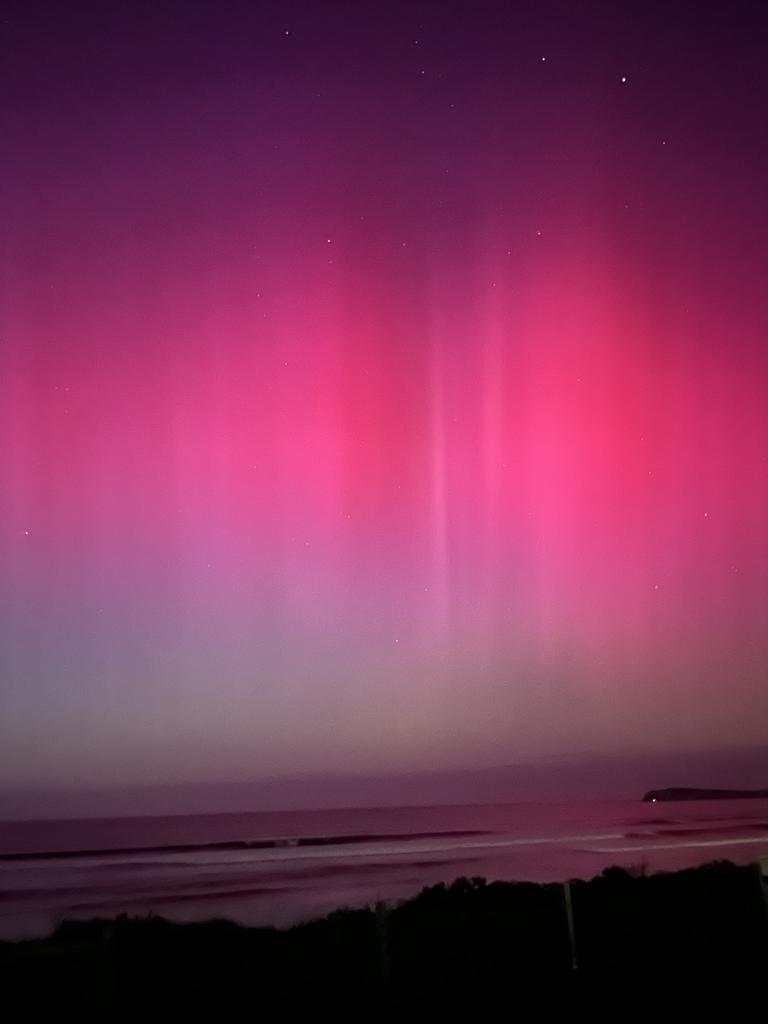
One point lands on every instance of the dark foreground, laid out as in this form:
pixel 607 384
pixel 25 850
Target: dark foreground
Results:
pixel 684 946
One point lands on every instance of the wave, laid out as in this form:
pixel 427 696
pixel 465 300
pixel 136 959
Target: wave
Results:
pixel 689 843
pixel 702 830
pixel 110 904
pixel 222 882
pixel 358 845
pixel 289 842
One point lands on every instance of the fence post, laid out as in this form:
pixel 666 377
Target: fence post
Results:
pixel 571 931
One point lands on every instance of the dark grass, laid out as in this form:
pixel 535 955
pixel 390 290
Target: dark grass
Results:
pixel 681 946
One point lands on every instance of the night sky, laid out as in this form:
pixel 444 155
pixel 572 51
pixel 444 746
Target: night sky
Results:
pixel 383 386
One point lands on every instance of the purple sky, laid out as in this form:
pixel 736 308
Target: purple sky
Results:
pixel 382 386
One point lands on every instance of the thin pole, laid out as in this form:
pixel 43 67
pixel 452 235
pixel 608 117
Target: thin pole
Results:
pixel 569 919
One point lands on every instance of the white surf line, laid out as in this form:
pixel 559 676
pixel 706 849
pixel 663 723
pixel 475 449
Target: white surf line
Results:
pixel 381 848
pixel 673 846
pixel 329 852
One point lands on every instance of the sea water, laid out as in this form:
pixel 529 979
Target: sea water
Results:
pixel 276 868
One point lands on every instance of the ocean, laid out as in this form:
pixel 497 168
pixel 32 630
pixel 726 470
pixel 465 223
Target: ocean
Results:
pixel 279 868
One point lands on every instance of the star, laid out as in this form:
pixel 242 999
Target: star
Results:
pixel 623 78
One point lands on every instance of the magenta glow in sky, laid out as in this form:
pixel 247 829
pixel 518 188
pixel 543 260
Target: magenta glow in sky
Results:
pixel 381 386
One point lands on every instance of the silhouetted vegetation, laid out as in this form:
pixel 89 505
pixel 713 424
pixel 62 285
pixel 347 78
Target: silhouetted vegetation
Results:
pixel 646 946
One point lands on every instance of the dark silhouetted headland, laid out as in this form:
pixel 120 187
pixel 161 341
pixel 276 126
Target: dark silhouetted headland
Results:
pixel 686 793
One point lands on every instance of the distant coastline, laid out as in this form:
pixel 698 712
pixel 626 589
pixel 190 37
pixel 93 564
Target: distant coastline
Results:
pixel 687 793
